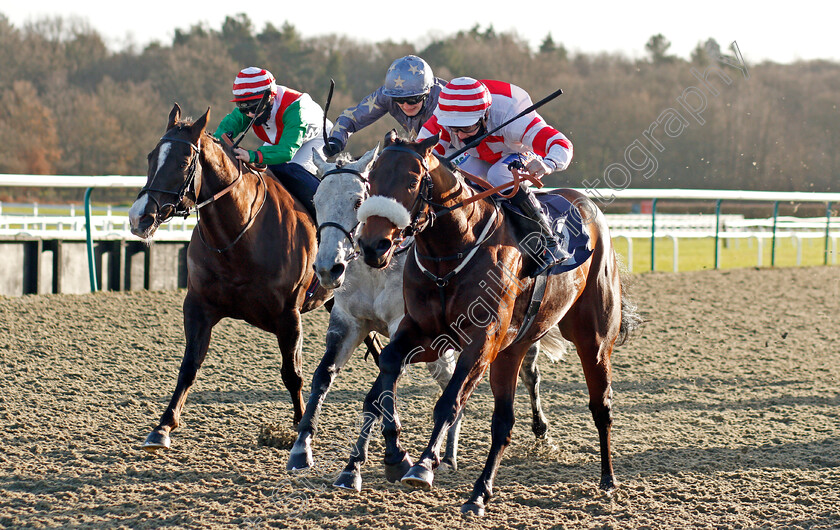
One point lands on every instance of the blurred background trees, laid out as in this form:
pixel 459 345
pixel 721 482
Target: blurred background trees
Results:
pixel 68 105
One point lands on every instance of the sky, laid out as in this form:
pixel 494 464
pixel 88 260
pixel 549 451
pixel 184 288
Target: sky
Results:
pixel 775 31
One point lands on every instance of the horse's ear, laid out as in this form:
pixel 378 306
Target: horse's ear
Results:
pixel 429 143
pixel 200 124
pixel 391 137
pixel 369 158
pixel 174 116
pixel 320 162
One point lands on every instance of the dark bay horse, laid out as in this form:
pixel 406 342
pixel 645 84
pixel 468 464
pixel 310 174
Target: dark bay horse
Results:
pixel 250 256
pixel 467 284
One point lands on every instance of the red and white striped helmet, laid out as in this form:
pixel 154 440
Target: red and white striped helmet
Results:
pixel 462 102
pixel 251 82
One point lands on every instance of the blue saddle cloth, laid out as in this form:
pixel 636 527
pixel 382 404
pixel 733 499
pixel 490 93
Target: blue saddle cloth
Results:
pixel 567 225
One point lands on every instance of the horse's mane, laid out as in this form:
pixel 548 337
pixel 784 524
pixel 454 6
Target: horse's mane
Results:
pixel 343 159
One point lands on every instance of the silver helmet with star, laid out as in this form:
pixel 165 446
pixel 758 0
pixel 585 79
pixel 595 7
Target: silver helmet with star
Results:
pixel 408 76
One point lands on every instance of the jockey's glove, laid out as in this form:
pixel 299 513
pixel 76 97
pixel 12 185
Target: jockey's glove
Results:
pixel 332 147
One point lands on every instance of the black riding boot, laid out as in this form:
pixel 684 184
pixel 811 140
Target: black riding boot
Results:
pixel 545 250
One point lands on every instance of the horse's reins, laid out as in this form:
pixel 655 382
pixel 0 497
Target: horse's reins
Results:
pixel 424 196
pixel 177 209
pixel 227 189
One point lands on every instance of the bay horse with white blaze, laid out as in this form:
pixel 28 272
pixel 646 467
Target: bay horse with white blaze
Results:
pixel 468 281
pixel 250 256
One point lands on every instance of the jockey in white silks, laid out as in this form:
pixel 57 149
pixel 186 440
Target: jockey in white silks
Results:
pixel 468 108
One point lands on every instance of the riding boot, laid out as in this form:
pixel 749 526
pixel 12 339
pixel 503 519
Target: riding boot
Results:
pixel 545 255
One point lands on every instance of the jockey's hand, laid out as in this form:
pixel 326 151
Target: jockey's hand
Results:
pixel 537 167
pixel 332 147
pixel 242 154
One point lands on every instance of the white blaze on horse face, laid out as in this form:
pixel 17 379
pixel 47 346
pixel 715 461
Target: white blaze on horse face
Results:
pixel 162 154
pixel 138 209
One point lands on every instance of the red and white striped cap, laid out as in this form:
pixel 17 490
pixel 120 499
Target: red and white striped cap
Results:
pixel 462 102
pixel 251 82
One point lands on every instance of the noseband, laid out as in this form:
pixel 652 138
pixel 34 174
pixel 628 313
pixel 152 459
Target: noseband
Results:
pixel 329 224
pixel 169 210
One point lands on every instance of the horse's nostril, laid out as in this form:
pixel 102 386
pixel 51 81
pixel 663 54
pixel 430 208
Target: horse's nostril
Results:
pixel 383 245
pixel 337 270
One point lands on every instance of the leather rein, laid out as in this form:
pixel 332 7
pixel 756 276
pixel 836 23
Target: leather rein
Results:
pixel 187 191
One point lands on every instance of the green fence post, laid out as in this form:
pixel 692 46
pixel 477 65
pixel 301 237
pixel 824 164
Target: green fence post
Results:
pixel 88 230
pixel 717 231
pixel 773 246
pixel 827 232
pixel 653 235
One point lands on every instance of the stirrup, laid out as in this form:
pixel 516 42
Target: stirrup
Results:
pixel 552 255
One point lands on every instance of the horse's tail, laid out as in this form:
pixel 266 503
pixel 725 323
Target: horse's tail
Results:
pixel 630 317
pixel 553 345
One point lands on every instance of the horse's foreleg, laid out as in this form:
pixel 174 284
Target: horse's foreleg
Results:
pixel 291 349
pixel 468 371
pixel 503 383
pixel 442 371
pixel 343 337
pixel 351 476
pixel 530 376
pixel 197 329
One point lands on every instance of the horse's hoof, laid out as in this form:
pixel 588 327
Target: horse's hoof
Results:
pixel 419 477
pixel 394 472
pixel 608 483
pixel 300 457
pixel 473 508
pixel 447 464
pixel 349 480
pixel 155 441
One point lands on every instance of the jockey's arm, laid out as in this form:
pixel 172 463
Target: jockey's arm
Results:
pixel 431 128
pixel 233 123
pixel 354 119
pixel 554 150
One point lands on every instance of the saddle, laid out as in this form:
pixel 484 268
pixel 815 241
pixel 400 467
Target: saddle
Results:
pixel 566 223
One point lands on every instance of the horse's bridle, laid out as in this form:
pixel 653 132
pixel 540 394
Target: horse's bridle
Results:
pixel 349 234
pixel 187 190
pixel 422 203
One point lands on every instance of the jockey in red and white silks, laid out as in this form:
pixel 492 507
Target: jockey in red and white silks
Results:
pixel 467 109
pixel 466 101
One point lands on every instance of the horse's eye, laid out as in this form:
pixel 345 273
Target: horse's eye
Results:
pixel 358 204
pixel 413 183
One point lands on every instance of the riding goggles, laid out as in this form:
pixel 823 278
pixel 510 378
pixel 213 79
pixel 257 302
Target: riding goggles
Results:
pixel 248 106
pixel 470 129
pixel 411 100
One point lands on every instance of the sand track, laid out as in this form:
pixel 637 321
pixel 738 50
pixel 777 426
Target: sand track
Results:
pixel 727 414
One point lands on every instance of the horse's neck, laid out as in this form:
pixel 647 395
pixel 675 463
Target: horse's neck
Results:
pixel 218 172
pixel 468 220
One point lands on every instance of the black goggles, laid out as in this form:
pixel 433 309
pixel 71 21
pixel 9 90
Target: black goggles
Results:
pixel 411 100
pixel 248 106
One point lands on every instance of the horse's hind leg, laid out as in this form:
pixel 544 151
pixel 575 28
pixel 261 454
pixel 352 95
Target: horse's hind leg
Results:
pixel 291 349
pixel 343 337
pixel 442 370
pixel 197 327
pixel 594 338
pixel 530 376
